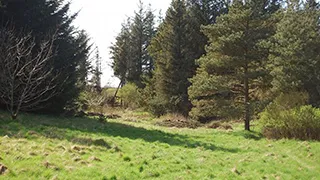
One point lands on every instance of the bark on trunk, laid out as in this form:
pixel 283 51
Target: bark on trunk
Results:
pixel 246 101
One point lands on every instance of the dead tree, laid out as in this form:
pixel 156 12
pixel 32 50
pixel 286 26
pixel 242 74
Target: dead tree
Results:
pixel 26 78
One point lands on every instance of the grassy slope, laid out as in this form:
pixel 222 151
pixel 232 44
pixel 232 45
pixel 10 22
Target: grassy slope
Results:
pixel 42 147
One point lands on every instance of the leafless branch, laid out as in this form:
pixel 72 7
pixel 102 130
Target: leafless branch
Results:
pixel 26 78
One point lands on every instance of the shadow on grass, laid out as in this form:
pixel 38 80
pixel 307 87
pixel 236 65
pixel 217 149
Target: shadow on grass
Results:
pixel 57 128
pixel 249 135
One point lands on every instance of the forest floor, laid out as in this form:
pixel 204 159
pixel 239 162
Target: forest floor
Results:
pixel 44 147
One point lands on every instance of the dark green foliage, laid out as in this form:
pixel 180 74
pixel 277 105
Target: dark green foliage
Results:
pixel 169 48
pixel 142 30
pixel 295 59
pixel 42 18
pixel 157 106
pixel 121 52
pixel 177 44
pixel 201 13
pixel 131 61
pixel 233 71
pixel 288 117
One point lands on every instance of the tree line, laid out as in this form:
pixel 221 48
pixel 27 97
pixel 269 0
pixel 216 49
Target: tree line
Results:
pixel 216 59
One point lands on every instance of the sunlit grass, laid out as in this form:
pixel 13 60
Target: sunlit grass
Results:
pixel 44 147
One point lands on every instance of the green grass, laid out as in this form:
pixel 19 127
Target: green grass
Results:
pixel 42 147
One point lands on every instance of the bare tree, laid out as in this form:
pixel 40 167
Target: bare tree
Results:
pixel 26 78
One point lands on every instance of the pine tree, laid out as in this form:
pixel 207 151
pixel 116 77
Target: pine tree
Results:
pixel 201 13
pixel 173 66
pixel 234 66
pixel 295 59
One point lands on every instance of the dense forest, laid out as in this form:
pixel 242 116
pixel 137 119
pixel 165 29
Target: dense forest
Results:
pixel 213 60
pixel 206 60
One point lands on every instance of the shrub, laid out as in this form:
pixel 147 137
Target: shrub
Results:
pixel 92 101
pixel 289 117
pixel 109 96
pixel 157 106
pixel 206 110
pixel 131 96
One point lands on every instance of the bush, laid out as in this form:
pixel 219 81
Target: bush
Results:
pixel 91 100
pixel 131 96
pixel 157 106
pixel 289 117
pixel 109 96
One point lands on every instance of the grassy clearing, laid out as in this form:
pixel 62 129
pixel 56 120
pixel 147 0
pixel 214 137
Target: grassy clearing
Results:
pixel 42 147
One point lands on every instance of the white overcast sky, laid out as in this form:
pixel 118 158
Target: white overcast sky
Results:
pixel 102 20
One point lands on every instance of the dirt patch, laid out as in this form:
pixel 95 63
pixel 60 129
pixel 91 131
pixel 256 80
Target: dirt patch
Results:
pixel 51 166
pixel 3 169
pixel 33 133
pixel 89 142
pixel 76 148
pixel 179 123
pixel 132 120
pixel 32 153
pixel 113 116
pixel 93 158
pixel 116 149
pixel 220 125
pixel 76 159
pixel 235 170
pixel 84 162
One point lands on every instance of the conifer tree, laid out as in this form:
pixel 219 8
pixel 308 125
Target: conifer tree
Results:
pixel 121 53
pixel 234 65
pixel 139 32
pixel 295 59
pixel 201 13
pixel 173 66
pixel 44 17
pixel 97 72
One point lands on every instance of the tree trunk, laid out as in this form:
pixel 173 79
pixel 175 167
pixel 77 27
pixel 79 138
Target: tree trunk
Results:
pixel 246 101
pixel 13 116
pixel 115 94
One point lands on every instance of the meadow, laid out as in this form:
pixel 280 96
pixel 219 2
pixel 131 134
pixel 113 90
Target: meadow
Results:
pixel 46 147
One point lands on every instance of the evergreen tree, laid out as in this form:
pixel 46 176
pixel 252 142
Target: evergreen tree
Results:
pixel 173 66
pixel 295 59
pixel 149 31
pixel 137 40
pixel 234 66
pixel 137 34
pixel 43 17
pixel 121 53
pixel 97 72
pixel 201 13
